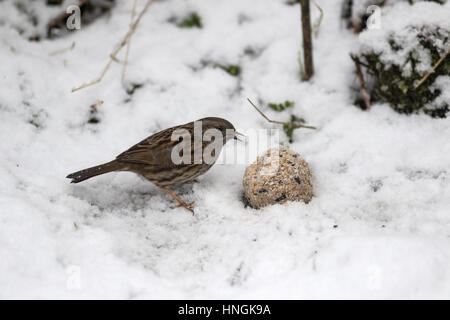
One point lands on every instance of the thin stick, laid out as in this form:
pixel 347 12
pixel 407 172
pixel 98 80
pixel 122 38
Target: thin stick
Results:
pixel 124 66
pixel 316 25
pixel 113 55
pixel 431 71
pixel 364 92
pixel 307 39
pixel 279 122
pixel 54 53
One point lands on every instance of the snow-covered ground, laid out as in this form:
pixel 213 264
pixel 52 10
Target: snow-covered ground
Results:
pixel 378 225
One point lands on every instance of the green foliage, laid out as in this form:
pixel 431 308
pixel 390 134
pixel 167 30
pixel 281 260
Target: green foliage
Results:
pixel 294 122
pixel 232 69
pixel 290 126
pixel 391 84
pixel 193 20
pixel 34 123
pixel 281 106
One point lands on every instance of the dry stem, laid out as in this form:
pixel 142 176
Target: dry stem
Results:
pixel 365 94
pixel 294 125
pixel 113 55
pixel 124 66
pixel 307 40
pixel 54 53
pixel 432 70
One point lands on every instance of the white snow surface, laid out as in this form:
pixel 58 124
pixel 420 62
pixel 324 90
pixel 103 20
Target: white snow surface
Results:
pixel 402 23
pixel 378 225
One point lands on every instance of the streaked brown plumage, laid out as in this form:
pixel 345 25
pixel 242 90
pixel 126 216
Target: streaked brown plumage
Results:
pixel 151 158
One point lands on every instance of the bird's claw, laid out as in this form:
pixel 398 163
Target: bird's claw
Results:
pixel 189 206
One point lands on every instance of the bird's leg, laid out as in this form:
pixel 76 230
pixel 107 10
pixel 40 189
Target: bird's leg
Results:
pixel 189 206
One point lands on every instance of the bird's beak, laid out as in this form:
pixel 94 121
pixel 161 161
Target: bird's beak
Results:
pixel 240 137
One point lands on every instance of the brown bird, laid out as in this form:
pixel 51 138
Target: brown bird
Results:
pixel 153 157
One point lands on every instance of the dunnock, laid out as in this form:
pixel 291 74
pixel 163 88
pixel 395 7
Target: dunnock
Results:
pixel 153 157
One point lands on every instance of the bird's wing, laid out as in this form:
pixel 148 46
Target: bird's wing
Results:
pixel 154 150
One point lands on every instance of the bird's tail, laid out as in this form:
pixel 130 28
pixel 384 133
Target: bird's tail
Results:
pixel 95 171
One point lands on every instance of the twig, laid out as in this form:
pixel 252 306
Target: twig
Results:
pixel 54 53
pixel 316 25
pixel 294 125
pixel 113 55
pixel 307 39
pixel 301 71
pixel 124 66
pixel 364 92
pixel 432 70
pixel 115 59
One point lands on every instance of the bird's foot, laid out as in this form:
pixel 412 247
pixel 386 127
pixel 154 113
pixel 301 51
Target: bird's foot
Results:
pixel 189 206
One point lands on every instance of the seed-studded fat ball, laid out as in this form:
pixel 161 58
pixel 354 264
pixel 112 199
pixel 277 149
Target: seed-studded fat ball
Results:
pixel 278 176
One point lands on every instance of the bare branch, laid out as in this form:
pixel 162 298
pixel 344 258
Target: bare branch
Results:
pixel 307 39
pixel 113 56
pixel 294 125
pixel 124 66
pixel 364 92
pixel 60 51
pixel 432 70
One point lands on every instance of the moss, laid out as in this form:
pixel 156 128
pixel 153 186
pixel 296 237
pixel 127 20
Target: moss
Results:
pixel 193 20
pixel 393 85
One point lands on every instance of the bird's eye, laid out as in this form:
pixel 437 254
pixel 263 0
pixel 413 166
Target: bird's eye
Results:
pixel 180 139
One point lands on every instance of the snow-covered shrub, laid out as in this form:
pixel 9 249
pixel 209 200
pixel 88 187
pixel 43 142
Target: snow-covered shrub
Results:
pixel 355 12
pixel 397 56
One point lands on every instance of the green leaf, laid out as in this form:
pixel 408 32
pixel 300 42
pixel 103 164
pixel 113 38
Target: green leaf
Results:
pixel 278 107
pixel 193 20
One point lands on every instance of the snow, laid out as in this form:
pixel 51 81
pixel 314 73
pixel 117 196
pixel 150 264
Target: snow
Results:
pixel 378 225
pixel 402 23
